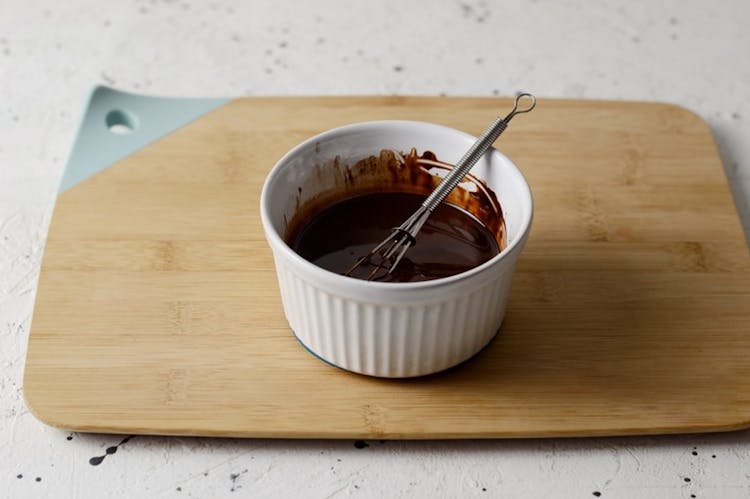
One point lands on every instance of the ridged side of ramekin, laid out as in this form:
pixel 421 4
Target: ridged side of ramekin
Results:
pixel 392 340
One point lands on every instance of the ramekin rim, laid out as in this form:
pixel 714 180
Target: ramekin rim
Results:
pixel 334 279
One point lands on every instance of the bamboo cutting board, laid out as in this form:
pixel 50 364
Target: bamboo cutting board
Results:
pixel 158 310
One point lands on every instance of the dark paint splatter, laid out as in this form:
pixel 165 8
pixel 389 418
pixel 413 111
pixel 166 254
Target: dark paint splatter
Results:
pixel 695 453
pixel 38 479
pixel 713 456
pixel 233 477
pixel 19 476
pixel 361 444
pixel 179 489
pixel 97 460
pixel 687 480
pixel 484 489
pixel 597 493
pixel 692 496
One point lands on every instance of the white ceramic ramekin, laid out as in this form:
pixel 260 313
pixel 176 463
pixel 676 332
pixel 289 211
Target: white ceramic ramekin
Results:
pixel 391 329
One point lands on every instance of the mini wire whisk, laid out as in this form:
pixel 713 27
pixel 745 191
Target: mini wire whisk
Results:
pixel 387 255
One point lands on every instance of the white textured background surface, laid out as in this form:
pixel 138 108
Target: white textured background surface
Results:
pixel 692 53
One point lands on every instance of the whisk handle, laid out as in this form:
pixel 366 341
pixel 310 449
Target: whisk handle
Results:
pixel 476 151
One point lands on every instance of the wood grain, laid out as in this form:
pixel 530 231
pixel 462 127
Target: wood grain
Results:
pixel 158 310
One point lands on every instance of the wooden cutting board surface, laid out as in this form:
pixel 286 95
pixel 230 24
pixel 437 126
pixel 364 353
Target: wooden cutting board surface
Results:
pixel 158 309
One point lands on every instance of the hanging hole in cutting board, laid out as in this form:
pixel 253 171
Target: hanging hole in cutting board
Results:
pixel 121 122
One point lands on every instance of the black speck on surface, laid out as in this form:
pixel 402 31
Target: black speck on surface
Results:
pixel 338 459
pixel 713 456
pixel 692 495
pixel 495 91
pixel 398 69
pixel 97 460
pixel 69 438
pixel 233 477
pixel 205 473
pixel 695 453
pixel 484 489
pixel 19 476
pixel 356 486
pixel 361 444
pixel 687 480
pixel 597 493
pixel 179 489
pixel 38 479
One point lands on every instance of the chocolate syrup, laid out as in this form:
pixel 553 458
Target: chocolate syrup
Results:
pixel 456 237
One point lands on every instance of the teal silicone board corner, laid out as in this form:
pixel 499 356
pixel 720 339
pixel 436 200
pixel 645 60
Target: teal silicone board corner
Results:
pixel 116 124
